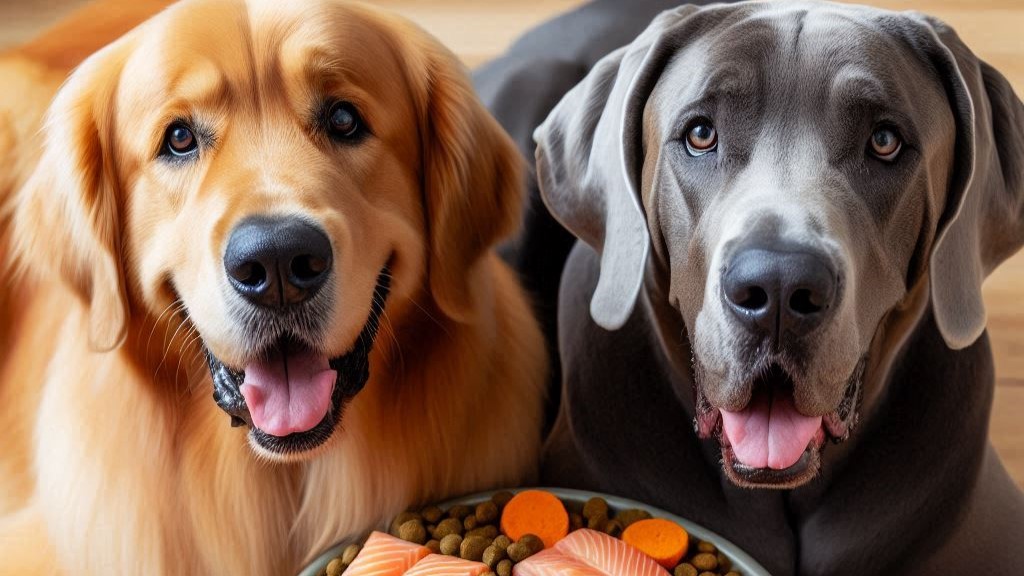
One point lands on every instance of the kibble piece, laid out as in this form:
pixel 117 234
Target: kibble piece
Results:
pixel 705 562
pixel 504 568
pixel 732 573
pixel 613 528
pixel 724 564
pixel 490 531
pixel 685 569
pixel 501 498
pixel 434 546
pixel 450 544
pixel 575 521
pixel 448 526
pixel 631 515
pixel 486 512
pixel 336 567
pixel 402 519
pixel 473 548
pixel 501 541
pixel 706 547
pixel 493 555
pixel 413 531
pixel 597 522
pixel 595 507
pixel 459 511
pixel 525 547
pixel 469 522
pixel 349 554
pixel 432 514
pixel 708 573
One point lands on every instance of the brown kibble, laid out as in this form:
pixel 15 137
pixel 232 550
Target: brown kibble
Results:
pixel 450 544
pixel 459 511
pixel 703 546
pixel 336 567
pixel 708 573
pixel 705 562
pixel 724 564
pixel 595 507
pixel 469 522
pixel 473 548
pixel 501 498
pixel 732 573
pixel 448 526
pixel 402 519
pixel 493 555
pixel 597 522
pixel 525 547
pixel 348 555
pixel 504 568
pixel 486 512
pixel 631 515
pixel 413 531
pixel 432 514
pixel 434 546
pixel 613 528
pixel 575 522
pixel 490 531
pixel 685 569
pixel 501 541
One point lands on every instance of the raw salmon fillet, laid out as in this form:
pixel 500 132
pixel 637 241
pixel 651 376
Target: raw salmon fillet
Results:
pixel 551 562
pixel 608 554
pixel 385 555
pixel 441 565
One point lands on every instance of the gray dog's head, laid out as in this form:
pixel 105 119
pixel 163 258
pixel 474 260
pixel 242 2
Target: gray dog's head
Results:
pixel 801 174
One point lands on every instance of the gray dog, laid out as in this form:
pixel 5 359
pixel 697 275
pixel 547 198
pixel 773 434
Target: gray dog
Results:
pixel 786 213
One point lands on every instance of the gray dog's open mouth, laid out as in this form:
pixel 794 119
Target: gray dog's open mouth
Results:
pixel 769 444
pixel 292 397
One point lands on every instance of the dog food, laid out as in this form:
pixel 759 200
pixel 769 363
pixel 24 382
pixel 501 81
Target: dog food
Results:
pixel 590 541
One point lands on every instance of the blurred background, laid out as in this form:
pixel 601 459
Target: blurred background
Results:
pixel 478 30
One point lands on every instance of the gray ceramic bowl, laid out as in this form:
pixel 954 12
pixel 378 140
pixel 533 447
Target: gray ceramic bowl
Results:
pixel 574 500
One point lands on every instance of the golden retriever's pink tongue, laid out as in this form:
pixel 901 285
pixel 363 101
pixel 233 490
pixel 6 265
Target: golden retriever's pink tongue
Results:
pixel 288 393
pixel 769 432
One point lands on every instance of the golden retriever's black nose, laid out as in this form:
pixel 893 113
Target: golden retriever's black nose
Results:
pixel 779 292
pixel 277 261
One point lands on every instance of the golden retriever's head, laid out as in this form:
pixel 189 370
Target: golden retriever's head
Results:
pixel 279 168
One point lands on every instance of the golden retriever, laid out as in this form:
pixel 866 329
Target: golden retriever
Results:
pixel 250 189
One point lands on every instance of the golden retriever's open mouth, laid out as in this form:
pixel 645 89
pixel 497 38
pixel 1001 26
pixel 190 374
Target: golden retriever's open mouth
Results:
pixel 292 396
pixel 768 443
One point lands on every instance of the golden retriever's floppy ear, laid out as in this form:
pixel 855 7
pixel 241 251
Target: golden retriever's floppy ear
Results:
pixel 982 223
pixel 66 217
pixel 473 180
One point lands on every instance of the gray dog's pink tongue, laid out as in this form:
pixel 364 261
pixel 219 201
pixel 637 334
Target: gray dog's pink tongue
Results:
pixel 769 432
pixel 288 393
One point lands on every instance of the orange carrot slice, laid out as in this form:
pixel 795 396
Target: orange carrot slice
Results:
pixel 661 539
pixel 535 512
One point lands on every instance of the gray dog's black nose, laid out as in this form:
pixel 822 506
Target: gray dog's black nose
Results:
pixel 779 292
pixel 277 261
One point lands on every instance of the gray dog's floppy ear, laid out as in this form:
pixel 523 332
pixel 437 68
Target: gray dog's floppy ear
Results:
pixel 589 155
pixel 982 223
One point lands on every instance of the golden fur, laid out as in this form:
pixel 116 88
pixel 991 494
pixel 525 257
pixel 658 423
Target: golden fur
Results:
pixel 115 459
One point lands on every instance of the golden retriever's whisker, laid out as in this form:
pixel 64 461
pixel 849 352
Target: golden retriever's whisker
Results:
pixel 156 322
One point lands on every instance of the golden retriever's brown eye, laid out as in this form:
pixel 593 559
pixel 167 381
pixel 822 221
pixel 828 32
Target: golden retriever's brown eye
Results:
pixel 179 140
pixel 343 121
pixel 701 137
pixel 885 143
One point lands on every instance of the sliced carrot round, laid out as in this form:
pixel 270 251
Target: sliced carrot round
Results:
pixel 535 512
pixel 661 539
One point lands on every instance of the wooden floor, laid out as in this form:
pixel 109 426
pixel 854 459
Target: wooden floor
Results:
pixel 480 29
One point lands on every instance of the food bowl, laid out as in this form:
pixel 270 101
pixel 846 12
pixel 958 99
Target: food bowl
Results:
pixel 574 500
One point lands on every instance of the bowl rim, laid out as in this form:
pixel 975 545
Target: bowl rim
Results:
pixel 740 559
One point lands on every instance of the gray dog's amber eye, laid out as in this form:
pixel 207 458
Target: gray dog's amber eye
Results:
pixel 180 140
pixel 343 121
pixel 886 143
pixel 701 137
